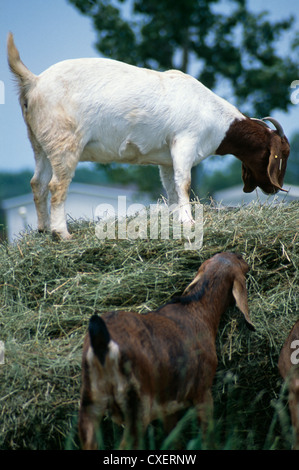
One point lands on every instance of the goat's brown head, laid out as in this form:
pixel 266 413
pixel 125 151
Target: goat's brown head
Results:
pixel 231 267
pixel 267 169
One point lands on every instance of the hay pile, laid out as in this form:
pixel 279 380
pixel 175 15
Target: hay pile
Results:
pixel 49 289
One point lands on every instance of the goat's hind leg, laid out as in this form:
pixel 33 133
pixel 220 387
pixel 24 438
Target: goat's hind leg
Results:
pixel 39 184
pixel 63 169
pixel 134 427
pixel 90 417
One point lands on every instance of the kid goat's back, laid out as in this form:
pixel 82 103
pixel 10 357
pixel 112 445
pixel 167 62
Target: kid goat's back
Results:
pixel 141 367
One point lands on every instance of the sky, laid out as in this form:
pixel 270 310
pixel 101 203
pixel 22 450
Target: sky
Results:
pixel 48 31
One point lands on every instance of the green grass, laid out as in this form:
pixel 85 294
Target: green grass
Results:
pixel 50 288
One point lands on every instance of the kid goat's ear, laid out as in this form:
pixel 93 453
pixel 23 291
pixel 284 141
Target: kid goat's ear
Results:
pixel 240 295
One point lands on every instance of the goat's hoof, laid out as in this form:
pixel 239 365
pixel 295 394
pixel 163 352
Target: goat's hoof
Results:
pixel 61 236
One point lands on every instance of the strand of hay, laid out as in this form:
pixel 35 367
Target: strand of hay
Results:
pixel 49 289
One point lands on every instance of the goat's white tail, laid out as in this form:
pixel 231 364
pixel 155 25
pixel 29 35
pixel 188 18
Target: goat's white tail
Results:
pixel 26 79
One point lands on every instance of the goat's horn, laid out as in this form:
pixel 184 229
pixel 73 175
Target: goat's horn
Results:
pixel 260 121
pixel 276 124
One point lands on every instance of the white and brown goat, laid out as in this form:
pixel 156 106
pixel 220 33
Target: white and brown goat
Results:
pixel 102 110
pixel 139 367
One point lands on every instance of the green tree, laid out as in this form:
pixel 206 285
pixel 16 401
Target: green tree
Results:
pixel 226 46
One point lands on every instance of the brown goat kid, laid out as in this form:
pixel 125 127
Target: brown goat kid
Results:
pixel 288 365
pixel 142 367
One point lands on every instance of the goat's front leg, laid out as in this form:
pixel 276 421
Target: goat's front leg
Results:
pixel 183 184
pixel 167 178
pixel 134 424
pixel 182 152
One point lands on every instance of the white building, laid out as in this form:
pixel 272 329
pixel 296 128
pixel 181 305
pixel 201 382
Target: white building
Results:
pixel 84 201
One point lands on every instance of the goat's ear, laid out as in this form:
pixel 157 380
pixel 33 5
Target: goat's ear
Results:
pixel 240 295
pixel 276 168
pixel 192 284
pixel 248 179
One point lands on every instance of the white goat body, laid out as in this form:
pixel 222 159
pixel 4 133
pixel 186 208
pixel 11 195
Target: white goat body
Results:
pixel 129 114
pixel 103 110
